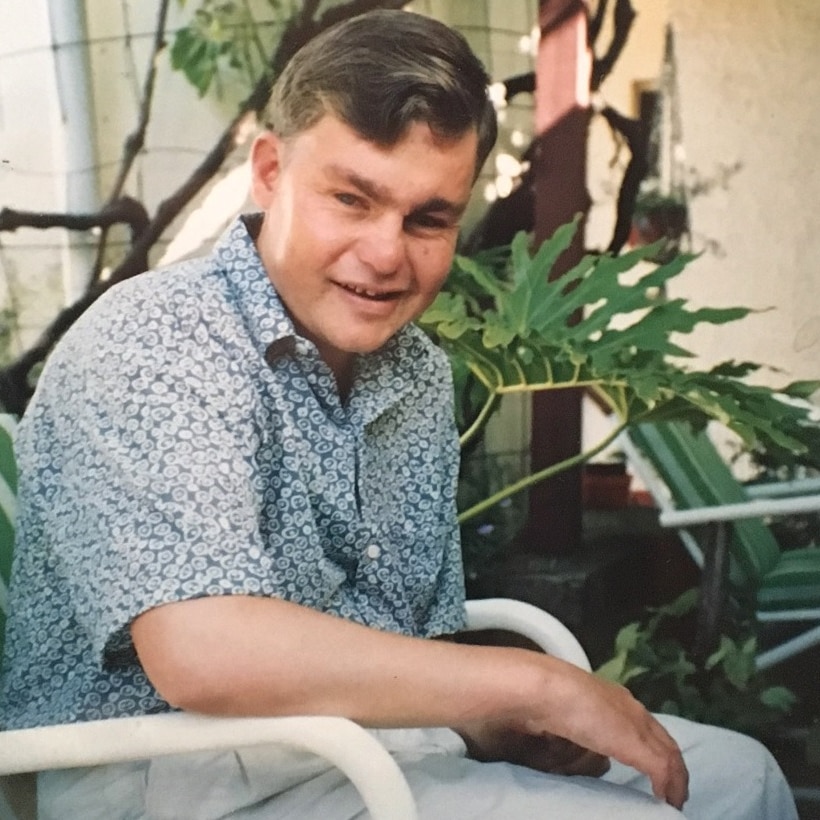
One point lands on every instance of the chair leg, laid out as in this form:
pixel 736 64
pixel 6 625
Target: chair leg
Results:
pixel 712 592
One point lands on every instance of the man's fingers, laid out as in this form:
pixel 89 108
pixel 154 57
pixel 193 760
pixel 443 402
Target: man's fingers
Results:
pixel 588 764
pixel 672 784
pixel 670 778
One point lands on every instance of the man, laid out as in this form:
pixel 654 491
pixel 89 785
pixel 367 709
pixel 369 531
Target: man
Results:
pixel 237 496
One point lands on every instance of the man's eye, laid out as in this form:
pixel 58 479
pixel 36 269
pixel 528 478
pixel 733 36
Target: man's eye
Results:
pixel 347 199
pixel 428 222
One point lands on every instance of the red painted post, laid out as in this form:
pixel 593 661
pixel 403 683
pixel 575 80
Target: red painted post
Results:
pixel 561 124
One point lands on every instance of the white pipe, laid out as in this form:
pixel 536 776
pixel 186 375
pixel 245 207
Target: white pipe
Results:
pixel 755 508
pixel 75 145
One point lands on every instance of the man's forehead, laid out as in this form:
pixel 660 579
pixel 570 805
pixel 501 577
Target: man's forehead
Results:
pixel 438 139
pixel 429 169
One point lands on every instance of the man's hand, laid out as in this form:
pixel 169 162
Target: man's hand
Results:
pixel 545 753
pixel 573 723
pixel 607 719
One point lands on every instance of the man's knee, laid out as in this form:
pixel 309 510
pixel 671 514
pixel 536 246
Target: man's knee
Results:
pixel 730 774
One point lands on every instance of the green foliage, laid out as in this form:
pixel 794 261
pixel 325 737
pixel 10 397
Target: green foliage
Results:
pixel 487 537
pixel 653 200
pixel 470 281
pixel 653 663
pixel 223 37
pixel 605 325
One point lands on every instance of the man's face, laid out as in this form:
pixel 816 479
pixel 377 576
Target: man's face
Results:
pixel 357 238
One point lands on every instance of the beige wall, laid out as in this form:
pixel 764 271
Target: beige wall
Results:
pixel 747 76
pixel 749 84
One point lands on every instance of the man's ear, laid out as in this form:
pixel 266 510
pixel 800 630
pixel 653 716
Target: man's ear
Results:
pixel 266 159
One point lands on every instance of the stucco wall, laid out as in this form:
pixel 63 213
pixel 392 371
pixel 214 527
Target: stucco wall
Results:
pixel 749 86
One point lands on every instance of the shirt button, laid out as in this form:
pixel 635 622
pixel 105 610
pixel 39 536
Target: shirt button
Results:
pixel 373 552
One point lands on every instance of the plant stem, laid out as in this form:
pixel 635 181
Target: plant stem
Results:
pixel 541 475
pixel 476 426
pixel 250 22
pixel 534 388
pixel 617 407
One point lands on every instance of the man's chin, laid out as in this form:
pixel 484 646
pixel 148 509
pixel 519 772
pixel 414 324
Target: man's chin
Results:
pixel 362 346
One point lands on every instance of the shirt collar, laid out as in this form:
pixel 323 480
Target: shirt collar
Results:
pixel 256 300
pixel 390 374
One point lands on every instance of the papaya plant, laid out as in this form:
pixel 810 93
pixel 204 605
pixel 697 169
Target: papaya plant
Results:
pixel 608 326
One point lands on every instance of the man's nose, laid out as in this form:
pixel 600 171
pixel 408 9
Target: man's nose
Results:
pixel 382 247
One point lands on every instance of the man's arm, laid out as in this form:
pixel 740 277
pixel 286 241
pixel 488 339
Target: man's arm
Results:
pixel 239 655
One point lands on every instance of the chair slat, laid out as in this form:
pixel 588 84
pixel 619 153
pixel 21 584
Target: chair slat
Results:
pixel 697 476
pixel 8 504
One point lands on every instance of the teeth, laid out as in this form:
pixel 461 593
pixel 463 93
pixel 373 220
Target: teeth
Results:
pixel 369 294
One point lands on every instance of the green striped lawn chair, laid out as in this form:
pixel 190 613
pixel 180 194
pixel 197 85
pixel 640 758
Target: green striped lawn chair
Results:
pixel 692 486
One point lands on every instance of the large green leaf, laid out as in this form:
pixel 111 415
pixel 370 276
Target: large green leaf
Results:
pixel 606 325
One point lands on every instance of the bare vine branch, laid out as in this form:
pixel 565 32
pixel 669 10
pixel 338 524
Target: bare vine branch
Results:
pixel 636 134
pixel 123 210
pixel 135 141
pixel 596 21
pixel 623 17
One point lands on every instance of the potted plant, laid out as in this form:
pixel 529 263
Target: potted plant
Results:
pixel 659 217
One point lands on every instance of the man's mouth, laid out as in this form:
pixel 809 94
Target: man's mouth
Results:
pixel 372 295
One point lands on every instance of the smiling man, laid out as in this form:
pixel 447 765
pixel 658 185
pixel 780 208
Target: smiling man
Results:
pixel 357 238
pixel 237 497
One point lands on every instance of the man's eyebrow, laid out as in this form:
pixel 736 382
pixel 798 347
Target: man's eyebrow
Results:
pixel 438 205
pixel 380 193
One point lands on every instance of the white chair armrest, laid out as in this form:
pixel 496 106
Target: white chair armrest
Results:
pixel 755 508
pixel 342 742
pixel 525 619
pixel 345 744
pixel 783 489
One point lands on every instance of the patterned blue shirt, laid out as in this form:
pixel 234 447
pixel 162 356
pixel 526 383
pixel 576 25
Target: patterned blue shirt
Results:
pixel 185 442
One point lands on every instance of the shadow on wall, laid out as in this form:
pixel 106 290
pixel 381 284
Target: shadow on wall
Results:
pixel 808 335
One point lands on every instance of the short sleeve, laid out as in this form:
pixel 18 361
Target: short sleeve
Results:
pixel 139 457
